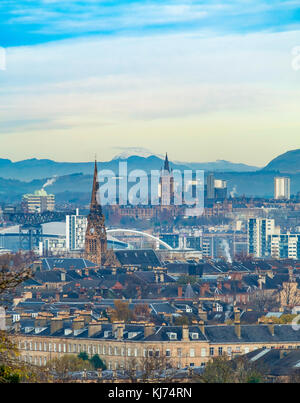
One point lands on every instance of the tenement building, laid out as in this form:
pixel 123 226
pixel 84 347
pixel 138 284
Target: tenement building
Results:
pixel 122 345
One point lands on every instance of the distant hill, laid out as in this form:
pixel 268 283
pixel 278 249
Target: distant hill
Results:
pixel 288 162
pixel 34 168
pixel 74 180
pixel 222 166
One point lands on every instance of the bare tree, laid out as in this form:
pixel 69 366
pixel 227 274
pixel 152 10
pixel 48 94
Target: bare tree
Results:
pixel 155 366
pixel 289 294
pixel 262 300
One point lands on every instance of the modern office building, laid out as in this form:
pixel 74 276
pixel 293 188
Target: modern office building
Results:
pixel 282 188
pixel 38 202
pixel 210 186
pixel 259 230
pixel 53 247
pixel 220 189
pixel 75 231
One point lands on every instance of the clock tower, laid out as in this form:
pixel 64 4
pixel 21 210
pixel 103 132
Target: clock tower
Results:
pixel 95 237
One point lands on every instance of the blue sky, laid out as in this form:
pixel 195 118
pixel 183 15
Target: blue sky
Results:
pixel 29 22
pixel 203 80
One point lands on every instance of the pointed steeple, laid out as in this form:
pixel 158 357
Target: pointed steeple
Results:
pixel 94 202
pixel 166 164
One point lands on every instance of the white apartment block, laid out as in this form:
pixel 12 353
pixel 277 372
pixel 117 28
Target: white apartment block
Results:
pixel 75 231
pixel 282 188
pixel 285 246
pixel 259 230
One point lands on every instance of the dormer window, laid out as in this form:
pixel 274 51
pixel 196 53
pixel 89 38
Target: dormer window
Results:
pixel 194 336
pixel 172 336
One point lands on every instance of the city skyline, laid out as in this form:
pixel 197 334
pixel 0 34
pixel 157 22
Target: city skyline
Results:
pixel 189 77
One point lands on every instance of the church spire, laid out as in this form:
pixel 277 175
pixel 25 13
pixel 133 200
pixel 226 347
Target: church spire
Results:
pixel 94 201
pixel 166 165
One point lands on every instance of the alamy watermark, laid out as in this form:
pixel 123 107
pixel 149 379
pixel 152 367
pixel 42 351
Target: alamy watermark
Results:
pixel 2 59
pixel 138 187
pixel 296 320
pixel 296 58
pixel 2 318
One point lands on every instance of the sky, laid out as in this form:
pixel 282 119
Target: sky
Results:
pixel 202 80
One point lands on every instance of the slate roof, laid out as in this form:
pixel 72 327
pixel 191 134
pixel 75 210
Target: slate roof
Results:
pixel 252 334
pixel 50 263
pixel 149 277
pixel 276 362
pixel 138 257
pixel 219 334
pixel 162 308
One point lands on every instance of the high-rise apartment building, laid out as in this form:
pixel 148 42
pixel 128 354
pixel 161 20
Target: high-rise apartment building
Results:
pixel 282 187
pixel 75 231
pixel 259 230
pixel 285 246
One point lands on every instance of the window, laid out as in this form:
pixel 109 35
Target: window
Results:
pixel 203 352
pixel 220 350
pixel 150 352
pixel 168 353
pixel 192 352
pixel 229 350
pixel 179 352
pixel 157 353
pixel 211 351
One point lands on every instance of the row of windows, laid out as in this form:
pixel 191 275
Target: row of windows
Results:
pixel 129 352
pixel 102 349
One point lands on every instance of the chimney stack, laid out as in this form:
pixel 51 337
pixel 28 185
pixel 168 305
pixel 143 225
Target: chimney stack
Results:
pixel 180 291
pixel 149 329
pixel 237 323
pixel 271 327
pixel 185 333
pixel 55 325
pixel 93 328
pixel 78 323
pixel 202 327
pixel 120 332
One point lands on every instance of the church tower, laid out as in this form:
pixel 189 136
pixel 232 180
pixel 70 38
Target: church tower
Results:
pixel 95 237
pixel 166 185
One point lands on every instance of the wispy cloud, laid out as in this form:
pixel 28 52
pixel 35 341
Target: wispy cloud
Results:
pixel 38 21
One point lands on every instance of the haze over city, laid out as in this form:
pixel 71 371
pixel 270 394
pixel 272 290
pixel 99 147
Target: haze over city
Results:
pixel 189 77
